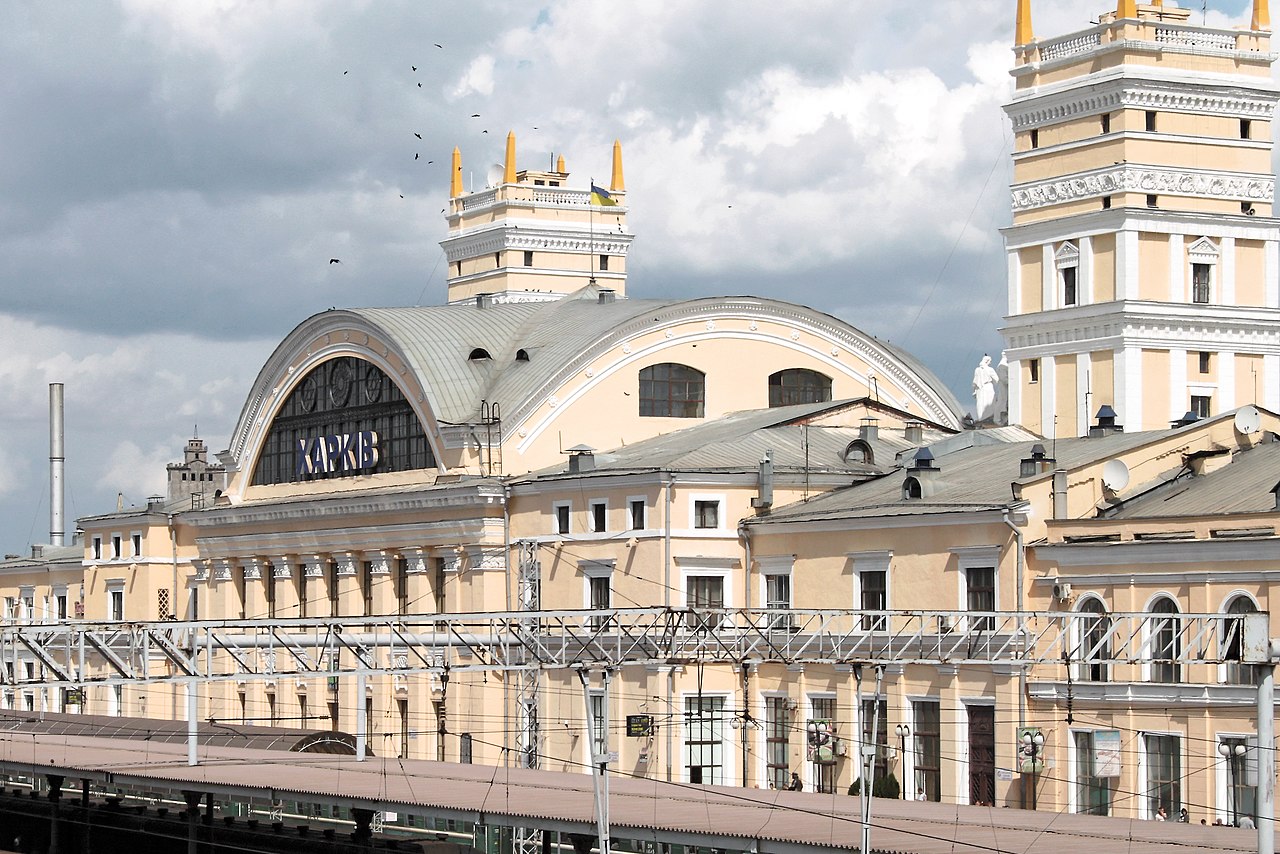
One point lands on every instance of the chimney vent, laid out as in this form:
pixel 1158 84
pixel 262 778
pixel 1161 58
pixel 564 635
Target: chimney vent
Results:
pixel 869 429
pixel 1038 462
pixel 581 458
pixel 914 432
pixel 607 296
pixel 1106 422
pixel 484 300
pixel 1188 417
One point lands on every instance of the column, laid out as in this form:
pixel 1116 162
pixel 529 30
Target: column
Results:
pixel 1126 265
pixel 1179 400
pixel 313 586
pixel 1084 398
pixel 346 578
pixel 1177 269
pixel 1014 259
pixel 417 579
pixel 382 580
pixel 1048 278
pixel 1048 396
pixel 285 576
pixel 1271 273
pixel 1084 273
pixel 254 571
pixel 1015 393
pixel 1227 270
pixel 1128 380
pixel 224 599
pixel 1225 399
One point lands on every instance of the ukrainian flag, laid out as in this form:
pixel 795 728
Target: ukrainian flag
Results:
pixel 601 198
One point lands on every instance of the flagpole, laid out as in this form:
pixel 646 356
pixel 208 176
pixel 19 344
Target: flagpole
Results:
pixel 591 230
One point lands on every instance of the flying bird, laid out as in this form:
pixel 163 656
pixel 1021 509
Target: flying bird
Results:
pixel 415 155
pixel 430 161
pixel 344 72
pixel 402 195
pixel 418 135
pixel 484 131
pixel 414 67
pixel 419 85
pixel 439 45
pixel 475 115
pixel 334 261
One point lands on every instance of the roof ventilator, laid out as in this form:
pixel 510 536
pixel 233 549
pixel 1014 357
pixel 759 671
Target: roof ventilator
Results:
pixel 1106 423
pixel 869 429
pixel 581 458
pixel 1038 463
pixel 922 476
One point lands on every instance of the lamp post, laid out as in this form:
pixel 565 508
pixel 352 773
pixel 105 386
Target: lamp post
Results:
pixel 902 731
pixel 1031 746
pixel 1232 753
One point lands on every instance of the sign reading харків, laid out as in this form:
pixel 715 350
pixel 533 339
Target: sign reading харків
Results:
pixel 341 453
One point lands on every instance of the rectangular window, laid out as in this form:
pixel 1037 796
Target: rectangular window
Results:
pixel 1200 405
pixel 1033 368
pixel 604 263
pixel 1151 121
pixel 980 582
pixel 366 586
pixel 706 514
pixel 116 604
pixel 1204 362
pixel 777 748
pixel 1106 203
pixel 1153 200
pixel 437 587
pixel 704 740
pixel 637 514
pixel 1246 128
pixel 927 749
pixel 824 774
pixel 1242 798
pixel 402 585
pixel 705 593
pixel 1164 774
pixel 1093 794
pixel 1068 286
pixel 598 512
pixel 528 258
pixel 1106 122
pixel 600 598
pixel 402 707
pixel 777 596
pixel 271 709
pixel 599 725
pixel 137 545
pixel 334 589
pixel 874 597
pixel 97 547
pixel 465 755
pixel 562 518
pixel 116 551
pixel 1201 277
pixel 880 738
pixel 61 600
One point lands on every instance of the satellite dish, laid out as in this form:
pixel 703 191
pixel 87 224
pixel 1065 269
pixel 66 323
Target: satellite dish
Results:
pixel 493 177
pixel 1248 420
pixel 1115 476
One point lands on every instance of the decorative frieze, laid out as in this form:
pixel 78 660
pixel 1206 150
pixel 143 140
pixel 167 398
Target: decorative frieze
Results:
pixel 1143 179
pixel 346 563
pixel 379 561
pixel 487 559
pixel 415 560
pixel 1120 94
pixel 313 566
pixel 253 567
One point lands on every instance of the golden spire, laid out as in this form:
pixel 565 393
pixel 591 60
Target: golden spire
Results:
pixel 1127 9
pixel 617 183
pixel 1261 16
pixel 509 164
pixel 560 164
pixel 1022 26
pixel 455 178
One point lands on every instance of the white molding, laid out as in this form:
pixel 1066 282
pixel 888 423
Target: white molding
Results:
pixel 1137 135
pixel 1014 264
pixel 1139 219
pixel 1084 273
pixel 1138 178
pixel 1138 553
pixel 1227 274
pixel 1178 401
pixel 775 564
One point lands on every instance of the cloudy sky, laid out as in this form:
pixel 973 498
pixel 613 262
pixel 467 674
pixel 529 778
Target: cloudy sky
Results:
pixel 175 175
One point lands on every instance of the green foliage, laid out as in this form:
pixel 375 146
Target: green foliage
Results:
pixel 883 787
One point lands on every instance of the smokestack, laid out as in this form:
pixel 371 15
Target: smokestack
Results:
pixel 57 460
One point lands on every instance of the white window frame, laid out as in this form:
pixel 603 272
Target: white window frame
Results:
pixel 774 565
pixel 762 746
pixel 721 512
pixel 1144 811
pixel 1203 251
pixel 871 561
pixel 595 569
pixel 1067 257
pixel 1222 798
pixel 591 514
pixel 976 557
pixel 1149 640
pixel 555 518
pixel 135 543
pixel 644 502
pixel 27 603
pixel 96 547
pixel 114 586
pixel 728 762
pixel 854 737
pixel 596 695
pixel 117 545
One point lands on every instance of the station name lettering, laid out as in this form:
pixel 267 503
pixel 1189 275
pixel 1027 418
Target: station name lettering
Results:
pixel 344 452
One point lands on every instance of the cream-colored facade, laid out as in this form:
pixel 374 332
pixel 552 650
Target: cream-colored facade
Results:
pixel 1142 258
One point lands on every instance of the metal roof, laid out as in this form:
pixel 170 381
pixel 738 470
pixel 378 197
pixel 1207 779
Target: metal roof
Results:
pixel 1242 486
pixel 640 809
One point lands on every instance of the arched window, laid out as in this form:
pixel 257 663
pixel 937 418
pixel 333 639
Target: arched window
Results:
pixel 1095 640
pixel 478 354
pixel 1237 672
pixel 911 489
pixel 672 391
pixel 1165 642
pixel 798 385
pixel 859 451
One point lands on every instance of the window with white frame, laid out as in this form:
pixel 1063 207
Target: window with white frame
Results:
pixel 599 516
pixel 1202 256
pixel 1238 776
pixel 115 602
pixel 599 723
pixel 1093 793
pixel 824 773
pixel 777 741
pixel 636 508
pixel 871 580
pixel 776 581
pixel 598 577
pixel 27 603
pixel 560 517
pixel 1236 672
pixel 927 753
pixel 706 513
pixel 1094 631
pixel 705 594
pixel 116 548
pixel 1161 773
pixel 1164 642
pixel 135 540
pixel 704 735
pixel 1067 261
pixel 97 547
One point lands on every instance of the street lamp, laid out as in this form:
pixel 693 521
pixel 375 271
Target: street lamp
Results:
pixel 1232 753
pixel 1031 746
pixel 902 731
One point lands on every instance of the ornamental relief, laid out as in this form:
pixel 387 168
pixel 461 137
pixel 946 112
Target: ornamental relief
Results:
pixel 1130 179
pixel 1251 107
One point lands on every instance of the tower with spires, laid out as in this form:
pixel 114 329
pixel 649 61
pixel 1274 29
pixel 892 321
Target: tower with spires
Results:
pixel 529 236
pixel 1143 262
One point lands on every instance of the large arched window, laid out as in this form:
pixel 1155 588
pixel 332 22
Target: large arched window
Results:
pixel 345 418
pixel 672 391
pixel 1095 640
pixel 798 385
pixel 1237 672
pixel 1165 641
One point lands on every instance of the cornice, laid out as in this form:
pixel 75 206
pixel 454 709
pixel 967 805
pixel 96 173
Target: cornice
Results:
pixel 1158 553
pixel 937 518
pixel 519 238
pixel 474 494
pixel 1132 177
pixel 1093 96
pixel 1159 325
pixel 1119 695
pixel 1072 49
pixel 1143 219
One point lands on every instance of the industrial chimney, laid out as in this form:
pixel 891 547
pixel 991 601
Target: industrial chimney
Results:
pixel 57 461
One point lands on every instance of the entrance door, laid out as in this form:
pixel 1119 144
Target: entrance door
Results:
pixel 982 754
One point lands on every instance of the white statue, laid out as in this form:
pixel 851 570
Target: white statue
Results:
pixel 1002 391
pixel 985 383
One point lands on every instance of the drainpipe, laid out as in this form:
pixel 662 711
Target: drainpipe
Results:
pixel 173 559
pixel 507 583
pixel 1022 558
pixel 668 482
